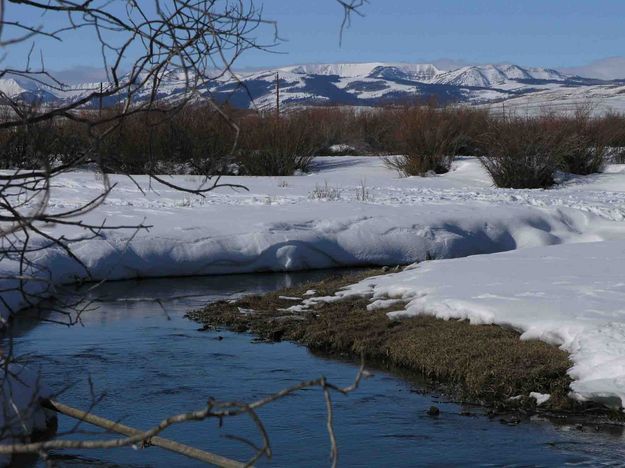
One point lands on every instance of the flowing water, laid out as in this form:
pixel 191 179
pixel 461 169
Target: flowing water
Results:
pixel 146 361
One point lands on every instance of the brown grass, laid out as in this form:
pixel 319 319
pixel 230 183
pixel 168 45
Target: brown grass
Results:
pixel 480 362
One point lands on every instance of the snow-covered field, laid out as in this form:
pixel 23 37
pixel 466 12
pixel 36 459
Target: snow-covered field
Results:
pixel 355 211
pixel 598 99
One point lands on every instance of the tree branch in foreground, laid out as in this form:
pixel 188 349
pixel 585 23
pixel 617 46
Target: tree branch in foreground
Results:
pixel 213 409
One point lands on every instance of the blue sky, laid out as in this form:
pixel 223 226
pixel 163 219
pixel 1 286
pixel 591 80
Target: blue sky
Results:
pixel 553 33
pixel 528 32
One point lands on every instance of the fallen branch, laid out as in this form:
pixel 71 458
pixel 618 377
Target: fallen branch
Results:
pixel 157 441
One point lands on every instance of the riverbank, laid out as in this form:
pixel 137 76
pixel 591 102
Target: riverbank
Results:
pixel 485 364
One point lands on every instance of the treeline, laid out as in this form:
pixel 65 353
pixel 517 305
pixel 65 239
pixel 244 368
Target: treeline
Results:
pixel 518 152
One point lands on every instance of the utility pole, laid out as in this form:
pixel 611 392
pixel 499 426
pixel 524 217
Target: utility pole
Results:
pixel 100 102
pixel 277 96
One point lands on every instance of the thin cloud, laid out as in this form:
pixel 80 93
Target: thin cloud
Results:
pixel 80 74
pixel 611 68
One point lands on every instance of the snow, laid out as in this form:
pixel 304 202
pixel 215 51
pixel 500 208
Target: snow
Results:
pixel 340 148
pixel 278 227
pixel 423 71
pixel 566 98
pixel 12 87
pixel 495 75
pixel 540 398
pixel 549 263
pixel 525 90
pixel 571 295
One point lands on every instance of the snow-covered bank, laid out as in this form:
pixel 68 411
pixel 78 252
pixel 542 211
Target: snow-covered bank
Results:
pixel 350 211
pixel 571 295
pixel 355 211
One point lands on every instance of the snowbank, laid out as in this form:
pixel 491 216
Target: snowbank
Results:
pixel 279 225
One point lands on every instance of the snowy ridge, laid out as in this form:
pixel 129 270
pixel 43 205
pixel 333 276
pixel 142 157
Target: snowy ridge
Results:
pixel 490 76
pixel 419 71
pixel 479 75
pixel 378 82
pixel 346 70
pixel 11 87
pixel 361 84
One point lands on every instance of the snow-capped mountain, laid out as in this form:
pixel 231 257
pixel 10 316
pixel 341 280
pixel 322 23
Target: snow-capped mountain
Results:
pixel 377 83
pixel 362 84
pixel 492 76
pixel 26 89
pixel 416 71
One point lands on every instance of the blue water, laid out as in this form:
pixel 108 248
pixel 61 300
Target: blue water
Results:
pixel 147 361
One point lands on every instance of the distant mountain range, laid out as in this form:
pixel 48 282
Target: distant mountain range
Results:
pixel 366 84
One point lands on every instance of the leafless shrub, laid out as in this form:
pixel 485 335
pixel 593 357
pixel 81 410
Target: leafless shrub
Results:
pixel 375 130
pixel 41 140
pixel 273 146
pixel 616 154
pixel 588 143
pixel 52 141
pixel 196 141
pixel 332 126
pixel 524 152
pixel 472 124
pixel 612 126
pixel 427 139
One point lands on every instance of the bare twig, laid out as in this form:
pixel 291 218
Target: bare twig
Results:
pixel 213 409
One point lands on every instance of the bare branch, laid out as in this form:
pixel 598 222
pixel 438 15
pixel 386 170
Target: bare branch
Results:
pixel 213 409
